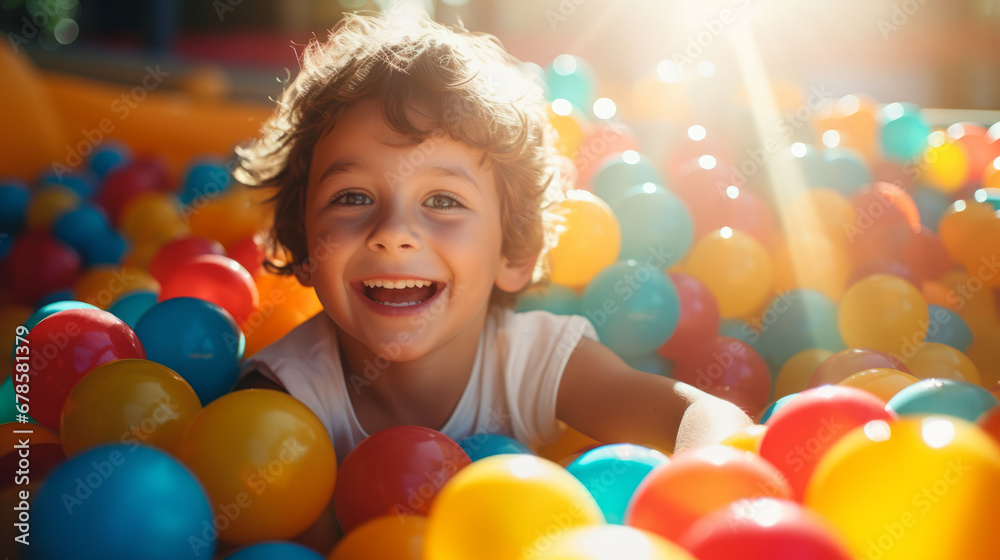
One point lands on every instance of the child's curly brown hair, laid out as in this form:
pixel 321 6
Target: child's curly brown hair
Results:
pixel 465 84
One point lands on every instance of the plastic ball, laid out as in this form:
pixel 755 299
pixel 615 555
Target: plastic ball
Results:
pixel 400 537
pixel 109 156
pixel 746 438
pixel 589 239
pixel 600 143
pixel 675 495
pixel 883 312
pixel 653 222
pixel 152 217
pixel 609 542
pixel 269 323
pixel 801 432
pixel 65 347
pixel 820 208
pixel 569 130
pixel 108 248
pixel 481 512
pixel 958 222
pixel 933 359
pixel 945 165
pixel 396 470
pixel 571 78
pixel 741 210
pixel 81 226
pixel 932 494
pixel 794 375
pixel 288 291
pixel 249 254
pixel 14 198
pixel 798 320
pixel 481 446
pixel 174 254
pixel 102 285
pixel 811 261
pixel 205 179
pixel 48 204
pixel 276 549
pixel 927 256
pixel 39 264
pixel 931 204
pixel 198 340
pixel 621 172
pixel 846 170
pixel 771 409
pixel 903 131
pixel 266 461
pixel 729 369
pixel 764 529
pixel 132 306
pixel 217 279
pixel 943 396
pixel 42 459
pixel 124 183
pixel 82 507
pixel 127 401
pixel 846 363
pixel 553 298
pixel 611 474
pixel 980 252
pixel 735 267
pixel 972 139
pixel 698 320
pixel 884 383
pixel 633 307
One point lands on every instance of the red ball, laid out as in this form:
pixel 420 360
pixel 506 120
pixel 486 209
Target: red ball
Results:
pixel 927 256
pixel 395 471
pixel 217 279
pixel 602 141
pixel 39 264
pixel 248 253
pixel 44 457
pixel 800 432
pixel 730 206
pixel 846 363
pixel 673 496
pixel 176 253
pixel 729 369
pixel 699 318
pixel 885 203
pixel 763 529
pixel 125 182
pixel 64 347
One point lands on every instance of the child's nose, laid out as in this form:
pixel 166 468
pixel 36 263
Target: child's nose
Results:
pixel 394 232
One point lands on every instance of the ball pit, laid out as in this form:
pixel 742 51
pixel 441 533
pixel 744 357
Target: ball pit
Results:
pixel 856 316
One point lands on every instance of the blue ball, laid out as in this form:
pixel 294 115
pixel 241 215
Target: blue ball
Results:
pixel 904 130
pixel 6 243
pixel 633 307
pixel 197 339
pixel 931 204
pixel 14 197
pixel 553 298
pixel 108 248
pixel 271 550
pixel 775 407
pixel 130 307
pixel 611 473
pixel 947 327
pixel 810 161
pixel 571 78
pixel 55 297
pixel 622 171
pixel 480 446
pixel 121 501
pixel 108 157
pixel 655 225
pixel 205 179
pixel 798 320
pixel 47 309
pixel 942 396
pixel 82 226
pixel 740 330
pixel 846 170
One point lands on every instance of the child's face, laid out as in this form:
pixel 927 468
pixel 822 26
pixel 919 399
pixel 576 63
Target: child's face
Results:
pixel 379 206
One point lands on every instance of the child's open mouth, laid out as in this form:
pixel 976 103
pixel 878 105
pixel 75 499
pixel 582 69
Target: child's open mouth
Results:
pixel 399 293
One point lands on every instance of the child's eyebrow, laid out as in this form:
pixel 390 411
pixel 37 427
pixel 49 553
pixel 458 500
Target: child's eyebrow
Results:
pixel 458 172
pixel 344 166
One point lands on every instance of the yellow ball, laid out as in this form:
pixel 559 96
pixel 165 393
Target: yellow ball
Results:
pixel 589 239
pixel 569 130
pixel 265 460
pixel 794 376
pixel 152 216
pixel 945 167
pixel 920 487
pixel 934 359
pixel 883 312
pixel 736 269
pixel 747 438
pixel 498 507
pixel 128 401
pixel 390 536
pixel 610 542
pixel 48 204
pixel 811 261
pixel 884 383
pixel 102 285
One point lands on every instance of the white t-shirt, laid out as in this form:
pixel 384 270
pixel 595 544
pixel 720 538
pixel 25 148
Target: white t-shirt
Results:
pixel 512 389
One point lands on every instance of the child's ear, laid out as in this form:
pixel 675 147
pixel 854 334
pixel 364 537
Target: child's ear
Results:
pixel 514 276
pixel 304 273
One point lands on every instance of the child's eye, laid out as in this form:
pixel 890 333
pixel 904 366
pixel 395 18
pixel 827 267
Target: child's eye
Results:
pixel 443 202
pixel 351 198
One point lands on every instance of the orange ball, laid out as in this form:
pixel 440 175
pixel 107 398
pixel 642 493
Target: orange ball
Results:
pixel 941 361
pixel 794 376
pixel 100 286
pixel 589 239
pixel 884 383
pixel 958 221
pixel 396 537
pixel 811 261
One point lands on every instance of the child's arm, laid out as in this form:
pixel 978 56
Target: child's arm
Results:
pixel 603 397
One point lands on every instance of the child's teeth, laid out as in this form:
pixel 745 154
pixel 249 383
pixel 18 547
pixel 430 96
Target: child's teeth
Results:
pixel 398 304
